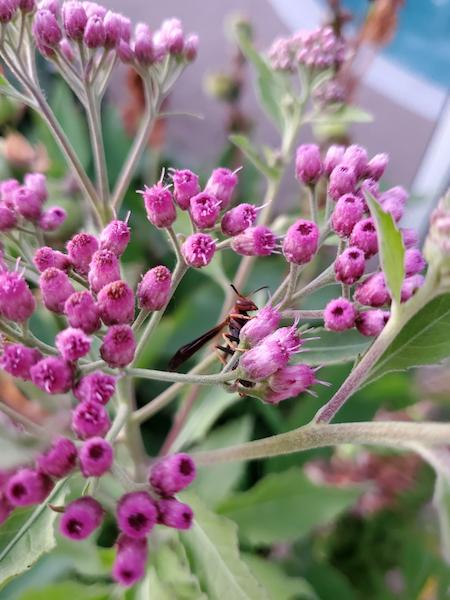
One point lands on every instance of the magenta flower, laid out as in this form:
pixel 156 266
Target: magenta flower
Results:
pixel 96 457
pixel 301 241
pixel 198 250
pixel 159 205
pixel 115 237
pixel 238 219
pixel 81 518
pixel 254 241
pixel 173 513
pixel 154 289
pixel 339 315
pixel 55 289
pixel 116 303
pixel 52 375
pixel 90 419
pixel 95 387
pixel 137 514
pixel 118 346
pixel 172 474
pixel 104 268
pixel 59 460
pixel 73 343
pixel 82 312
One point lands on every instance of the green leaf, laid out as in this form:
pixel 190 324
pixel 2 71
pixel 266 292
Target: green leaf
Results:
pixel 334 348
pixel 16 448
pixel 424 340
pixel 280 585
pixel 271 88
pixel 213 485
pixel 343 115
pixel 68 589
pixel 285 506
pixel 391 248
pixel 213 552
pixel 34 538
pixel 244 144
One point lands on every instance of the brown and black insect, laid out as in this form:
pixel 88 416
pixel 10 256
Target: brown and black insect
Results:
pixel 235 321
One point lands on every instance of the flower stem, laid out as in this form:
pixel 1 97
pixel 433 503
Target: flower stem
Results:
pixel 182 377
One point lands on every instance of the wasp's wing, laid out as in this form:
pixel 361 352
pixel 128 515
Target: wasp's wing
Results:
pixel 188 350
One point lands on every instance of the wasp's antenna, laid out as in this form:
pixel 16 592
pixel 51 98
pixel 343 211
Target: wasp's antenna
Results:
pixel 263 287
pixel 233 287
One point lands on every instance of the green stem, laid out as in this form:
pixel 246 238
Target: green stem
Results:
pixel 182 377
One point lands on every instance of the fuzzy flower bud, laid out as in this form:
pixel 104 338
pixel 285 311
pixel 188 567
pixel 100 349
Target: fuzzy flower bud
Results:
pixel 27 6
pixel 96 457
pixel 154 289
pixel 82 312
pixel 94 33
pixel 113 24
pixel 377 166
pixel 130 562
pixel 52 219
pixel 143 44
pixel 74 19
pixel 46 29
pixel 81 517
pixel 55 289
pixel 339 315
pixel 221 185
pixel 159 205
pixel 73 343
pixel 66 49
pixel 185 186
pixel 265 323
pixel 115 237
pixel 264 360
pixel 94 10
pixel 95 387
pixel 333 158
pixel 410 286
pixel 393 205
pixel 308 164
pixel 300 242
pixel 172 474
pixel 204 210
pixel 17 360
pixel 349 266
pixel 289 382
pixel 254 241
pixel 198 250
pixel 356 157
pixel 80 250
pixel 342 181
pixel 27 487
pixel 116 303
pixel 173 513
pixel 364 236
pixel 137 514
pixel 16 300
pixel 27 203
pixel 238 219
pixel 37 182
pixel 8 219
pixel 90 419
pixel 191 47
pixel 45 258
pixel 348 211
pixel 104 269
pixel 7 190
pixel 414 261
pixel 118 346
pixel 372 322
pixel 373 291
pixel 125 52
pixel 7 10
pixel 52 375
pixel 59 460
pixel 409 237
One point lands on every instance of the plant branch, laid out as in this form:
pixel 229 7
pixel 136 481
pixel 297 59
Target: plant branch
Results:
pixel 182 377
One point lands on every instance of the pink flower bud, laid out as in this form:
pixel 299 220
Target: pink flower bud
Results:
pixel 204 210
pixel 410 286
pixel 143 44
pixel 300 242
pixel 154 289
pixel 16 300
pixel 191 47
pixel 113 24
pixel 124 52
pixel 115 237
pixel 237 219
pixel 131 560
pixel 364 236
pixel 27 487
pixel 159 205
pixel 116 303
pixel 52 219
pixel 59 460
pixel 221 184
pixel 55 289
pixel 308 164
pixel 254 241
pixel 90 419
pixel 95 387
pixel 265 323
pixel 94 10
pixel 137 514
pixel 51 5
pixel 66 49
pixel 52 375
pixel 27 6
pixel 172 474
pixel 264 360
pixel 27 203
pixel 81 517
pixel 185 186
pixel 173 34
pixel 373 291
pixel 356 157
pixel 81 249
pixel 349 266
pixel 409 236
pixel 339 315
pixel 159 45
pixel 414 261
pixel 125 28
pixel 74 19
pixel 342 181
pixel 17 360
pixel 82 312
pixel 46 29
pixel 118 346
pixel 8 219
pixel 73 343
pixel 96 457
pixel 348 211
pixel 289 382
pixel 37 182
pixel 94 33
pixel 7 10
pixel 172 513
pixel 7 190
pixel 104 269
pixel 377 166
pixel 333 158
pixel 372 322
pixel 198 250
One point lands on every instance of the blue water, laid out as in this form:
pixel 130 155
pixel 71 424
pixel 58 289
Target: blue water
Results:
pixel 422 41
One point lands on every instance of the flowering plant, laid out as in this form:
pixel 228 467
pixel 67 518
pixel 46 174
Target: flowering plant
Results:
pixel 84 464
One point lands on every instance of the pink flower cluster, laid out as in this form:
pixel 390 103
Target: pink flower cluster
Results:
pixel 317 50
pixel 23 204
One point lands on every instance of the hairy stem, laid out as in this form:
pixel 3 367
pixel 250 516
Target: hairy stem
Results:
pixel 182 377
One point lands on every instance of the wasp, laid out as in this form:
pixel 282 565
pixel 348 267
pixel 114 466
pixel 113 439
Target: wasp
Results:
pixel 235 321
